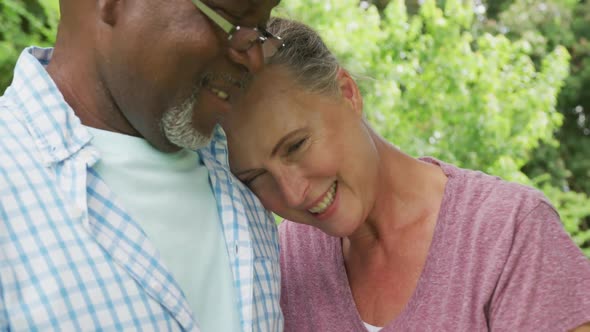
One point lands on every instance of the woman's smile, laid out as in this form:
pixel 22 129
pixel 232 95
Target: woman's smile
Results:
pixel 328 204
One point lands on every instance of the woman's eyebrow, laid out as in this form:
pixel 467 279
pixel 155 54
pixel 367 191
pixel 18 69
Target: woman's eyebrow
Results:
pixel 275 150
pixel 284 139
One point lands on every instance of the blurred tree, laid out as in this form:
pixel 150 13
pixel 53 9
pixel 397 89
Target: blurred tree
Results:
pixel 24 23
pixel 573 166
pixel 545 24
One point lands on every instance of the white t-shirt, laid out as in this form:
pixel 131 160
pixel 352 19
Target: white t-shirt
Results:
pixel 170 197
pixel 372 328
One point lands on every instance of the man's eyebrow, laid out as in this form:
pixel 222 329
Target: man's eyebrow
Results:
pixel 283 139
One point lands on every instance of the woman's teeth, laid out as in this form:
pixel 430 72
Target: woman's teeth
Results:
pixel 326 202
pixel 221 94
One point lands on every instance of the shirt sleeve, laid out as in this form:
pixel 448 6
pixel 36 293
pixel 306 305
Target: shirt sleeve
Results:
pixel 545 283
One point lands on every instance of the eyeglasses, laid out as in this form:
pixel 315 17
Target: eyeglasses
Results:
pixel 242 38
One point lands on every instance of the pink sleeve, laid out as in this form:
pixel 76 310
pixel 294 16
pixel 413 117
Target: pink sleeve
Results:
pixel 545 283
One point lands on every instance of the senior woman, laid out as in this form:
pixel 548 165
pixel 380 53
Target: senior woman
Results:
pixel 377 240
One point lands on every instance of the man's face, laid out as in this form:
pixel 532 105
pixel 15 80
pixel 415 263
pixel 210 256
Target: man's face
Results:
pixel 169 69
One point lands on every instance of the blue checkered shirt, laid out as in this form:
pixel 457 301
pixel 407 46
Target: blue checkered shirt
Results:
pixel 72 259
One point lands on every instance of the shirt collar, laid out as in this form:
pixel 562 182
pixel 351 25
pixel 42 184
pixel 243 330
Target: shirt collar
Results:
pixel 54 126
pixel 217 149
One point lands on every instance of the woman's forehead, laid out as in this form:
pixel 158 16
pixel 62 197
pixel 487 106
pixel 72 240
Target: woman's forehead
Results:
pixel 272 85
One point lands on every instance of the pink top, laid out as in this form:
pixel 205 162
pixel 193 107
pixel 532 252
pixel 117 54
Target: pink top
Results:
pixel 499 260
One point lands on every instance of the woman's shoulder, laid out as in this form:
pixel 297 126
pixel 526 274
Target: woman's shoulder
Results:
pixel 476 192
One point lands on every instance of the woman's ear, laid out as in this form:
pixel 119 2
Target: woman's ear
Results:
pixel 350 91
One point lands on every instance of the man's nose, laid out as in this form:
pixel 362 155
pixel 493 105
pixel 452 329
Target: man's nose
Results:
pixel 252 58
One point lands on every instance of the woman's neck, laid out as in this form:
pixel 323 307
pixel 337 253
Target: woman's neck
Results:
pixel 385 257
pixel 409 194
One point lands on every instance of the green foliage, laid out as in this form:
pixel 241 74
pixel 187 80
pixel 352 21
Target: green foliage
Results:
pixel 544 24
pixel 433 87
pixel 24 23
pixel 565 22
pixel 437 90
pixel 572 207
pixel 574 102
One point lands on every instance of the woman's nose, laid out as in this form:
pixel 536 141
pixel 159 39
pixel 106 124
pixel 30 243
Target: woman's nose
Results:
pixel 293 187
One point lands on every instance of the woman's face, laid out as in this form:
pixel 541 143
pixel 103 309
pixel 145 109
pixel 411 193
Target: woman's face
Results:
pixel 309 157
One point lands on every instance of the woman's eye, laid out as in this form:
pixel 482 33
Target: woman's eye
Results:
pixel 248 180
pixel 295 147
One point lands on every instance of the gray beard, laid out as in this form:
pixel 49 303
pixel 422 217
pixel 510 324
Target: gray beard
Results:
pixel 177 124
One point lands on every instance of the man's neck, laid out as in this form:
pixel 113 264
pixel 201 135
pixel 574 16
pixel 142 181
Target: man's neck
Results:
pixel 79 82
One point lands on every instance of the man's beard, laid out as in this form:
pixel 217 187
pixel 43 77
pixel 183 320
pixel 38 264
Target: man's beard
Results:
pixel 177 124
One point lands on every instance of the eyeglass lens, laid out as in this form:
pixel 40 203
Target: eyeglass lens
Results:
pixel 244 38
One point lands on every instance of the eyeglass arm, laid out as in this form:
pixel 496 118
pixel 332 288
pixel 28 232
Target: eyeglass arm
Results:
pixel 215 17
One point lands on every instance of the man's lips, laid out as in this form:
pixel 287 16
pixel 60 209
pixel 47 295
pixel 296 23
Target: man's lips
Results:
pixel 226 86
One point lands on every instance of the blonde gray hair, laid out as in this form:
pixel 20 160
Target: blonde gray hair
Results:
pixel 306 55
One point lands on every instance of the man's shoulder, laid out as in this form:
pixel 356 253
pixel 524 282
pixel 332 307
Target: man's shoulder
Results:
pixel 11 127
pixel 18 151
pixel 11 115
pixel 7 108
